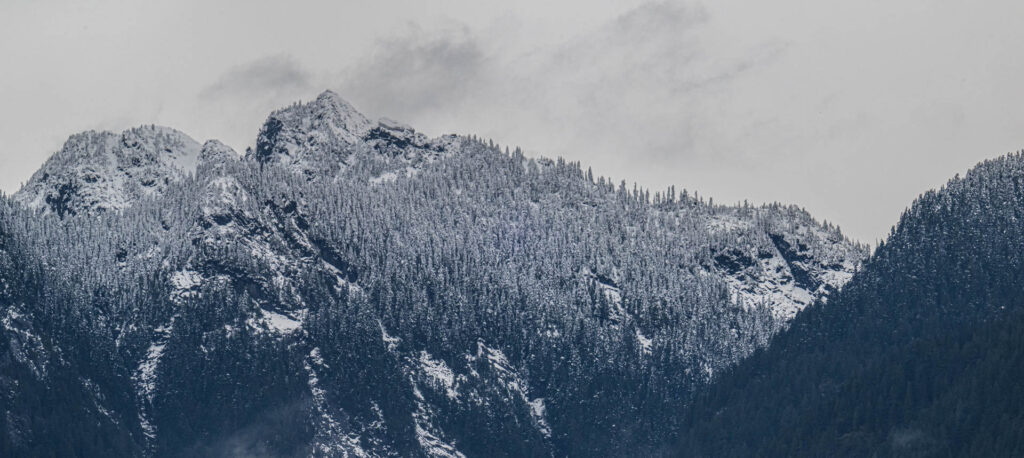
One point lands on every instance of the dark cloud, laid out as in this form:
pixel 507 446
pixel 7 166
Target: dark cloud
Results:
pixel 241 98
pixel 639 82
pixel 273 74
pixel 405 76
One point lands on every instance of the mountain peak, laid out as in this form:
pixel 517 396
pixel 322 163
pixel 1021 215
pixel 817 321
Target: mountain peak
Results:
pixel 332 97
pixel 343 114
pixel 301 133
pixel 109 171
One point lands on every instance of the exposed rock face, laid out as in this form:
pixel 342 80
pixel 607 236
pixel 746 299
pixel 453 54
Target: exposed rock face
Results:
pixel 784 259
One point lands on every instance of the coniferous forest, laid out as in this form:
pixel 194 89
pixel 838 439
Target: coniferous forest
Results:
pixel 919 355
pixel 350 287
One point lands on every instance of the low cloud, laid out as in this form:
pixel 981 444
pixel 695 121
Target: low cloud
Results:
pixel 272 74
pixel 636 86
pixel 410 75
pixel 235 105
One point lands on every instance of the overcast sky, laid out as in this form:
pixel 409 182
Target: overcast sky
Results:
pixel 850 109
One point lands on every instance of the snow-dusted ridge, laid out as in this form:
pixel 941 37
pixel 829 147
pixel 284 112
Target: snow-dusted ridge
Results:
pixel 271 265
pixel 104 171
pixel 328 135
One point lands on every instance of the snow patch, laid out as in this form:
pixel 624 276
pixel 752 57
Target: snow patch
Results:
pixel 538 410
pixel 426 434
pixel 514 384
pixel 389 341
pixel 645 342
pixel 278 323
pixel 331 438
pixel 440 375
pixel 145 376
pixel 26 347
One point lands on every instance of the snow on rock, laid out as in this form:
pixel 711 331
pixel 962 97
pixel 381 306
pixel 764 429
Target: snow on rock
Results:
pixel 780 257
pixel 185 284
pixel 429 437
pixel 98 399
pixel 277 323
pixel 104 171
pixel 308 136
pixel 438 372
pixel 538 410
pixel 145 376
pixel 645 342
pixel 213 151
pixel 389 341
pixel 25 346
pixel 331 438
pixel 328 135
pixel 509 378
pixel 223 196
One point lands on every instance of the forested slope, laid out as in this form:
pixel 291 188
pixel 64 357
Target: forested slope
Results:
pixel 352 287
pixel 919 355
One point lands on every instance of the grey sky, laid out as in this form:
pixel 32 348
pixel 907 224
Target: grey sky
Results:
pixel 850 109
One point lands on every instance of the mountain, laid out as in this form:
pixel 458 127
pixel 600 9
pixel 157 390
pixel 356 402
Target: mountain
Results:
pixel 352 287
pixel 102 171
pixel 919 355
pixel 328 135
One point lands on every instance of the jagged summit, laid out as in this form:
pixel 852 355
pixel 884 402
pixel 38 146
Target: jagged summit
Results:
pixel 328 123
pixel 328 135
pixel 215 154
pixel 98 171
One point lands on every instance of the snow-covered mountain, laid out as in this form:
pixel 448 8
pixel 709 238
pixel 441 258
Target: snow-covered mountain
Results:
pixel 328 135
pixel 100 171
pixel 354 288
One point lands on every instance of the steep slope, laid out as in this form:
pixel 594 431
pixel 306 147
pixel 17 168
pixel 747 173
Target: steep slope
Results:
pixel 780 257
pixel 775 256
pixel 51 401
pixel 917 356
pixel 352 287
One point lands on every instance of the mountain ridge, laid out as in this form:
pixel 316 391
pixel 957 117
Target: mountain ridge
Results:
pixel 390 294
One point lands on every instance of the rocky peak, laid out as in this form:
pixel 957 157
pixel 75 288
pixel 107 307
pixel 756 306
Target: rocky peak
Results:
pixel 302 134
pixel 99 171
pixel 215 155
pixel 328 135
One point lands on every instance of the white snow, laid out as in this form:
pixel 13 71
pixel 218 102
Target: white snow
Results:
pixel 277 322
pixel 390 342
pixel 426 434
pixel 539 413
pixel 331 438
pixel 509 378
pixel 27 348
pixel 145 376
pixel 727 223
pixel 184 280
pixel 440 375
pixel 385 177
pixel 644 341
pixel 112 171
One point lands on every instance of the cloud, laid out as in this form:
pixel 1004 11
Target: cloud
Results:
pixel 272 74
pixel 235 105
pixel 408 75
pixel 628 80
